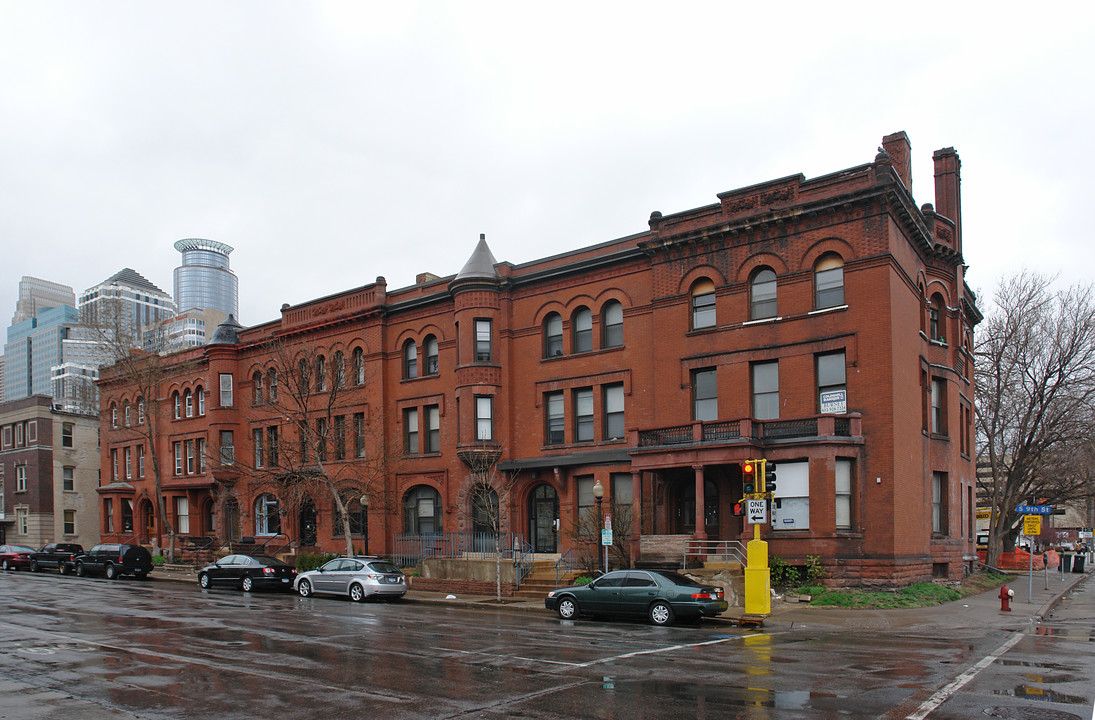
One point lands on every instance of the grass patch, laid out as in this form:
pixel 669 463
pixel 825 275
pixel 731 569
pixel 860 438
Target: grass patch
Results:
pixel 922 594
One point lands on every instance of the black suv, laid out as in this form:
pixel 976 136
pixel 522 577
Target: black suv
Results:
pixel 114 560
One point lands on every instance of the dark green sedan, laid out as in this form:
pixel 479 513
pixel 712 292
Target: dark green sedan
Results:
pixel 661 596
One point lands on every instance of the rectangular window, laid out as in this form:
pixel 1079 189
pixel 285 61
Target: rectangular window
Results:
pixel 140 461
pixel 226 390
pixel 433 429
pixel 20 478
pixel 68 478
pixel 939 406
pixel 554 418
pixel 19 432
pixel 228 449
pixel 585 492
pixel 484 417
pixel 140 412
pixel 832 390
pixel 182 515
pixel 939 503
pixel 843 494
pixel 114 465
pixel 622 494
pixel 127 515
pixel 340 437
pixel 201 455
pixel 272 445
pixel 410 431
pixel 70 522
pixel 614 412
pixel 178 457
pixel 359 434
pixel 108 515
pixel 321 439
pixel 32 431
pixel 128 454
pixel 483 350
pixel 7 436
pixel 791 507
pixel 766 390
pixel 66 435
pixel 260 451
pixel 21 523
pixel 705 397
pixel 583 415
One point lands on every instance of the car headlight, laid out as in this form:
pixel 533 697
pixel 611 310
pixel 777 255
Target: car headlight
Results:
pixel 551 593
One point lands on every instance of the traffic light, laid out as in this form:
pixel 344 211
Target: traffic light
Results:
pixel 748 477
pixel 769 477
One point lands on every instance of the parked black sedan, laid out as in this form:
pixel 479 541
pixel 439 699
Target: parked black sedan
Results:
pixel 248 572
pixel 660 595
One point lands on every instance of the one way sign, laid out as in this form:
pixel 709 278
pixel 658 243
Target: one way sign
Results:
pixel 756 512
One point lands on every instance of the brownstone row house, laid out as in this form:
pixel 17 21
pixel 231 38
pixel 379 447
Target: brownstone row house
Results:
pixel 822 324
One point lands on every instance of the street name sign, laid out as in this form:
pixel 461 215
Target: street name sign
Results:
pixel 1034 509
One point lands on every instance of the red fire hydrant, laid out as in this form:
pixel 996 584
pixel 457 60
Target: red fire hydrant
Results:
pixel 1006 594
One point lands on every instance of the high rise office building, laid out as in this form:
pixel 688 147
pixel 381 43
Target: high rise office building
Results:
pixel 206 290
pixel 127 304
pixel 37 294
pixel 33 347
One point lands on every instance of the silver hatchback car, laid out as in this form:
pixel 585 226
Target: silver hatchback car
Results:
pixel 357 577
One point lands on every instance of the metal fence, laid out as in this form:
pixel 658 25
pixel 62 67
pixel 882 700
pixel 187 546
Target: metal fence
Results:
pixel 411 550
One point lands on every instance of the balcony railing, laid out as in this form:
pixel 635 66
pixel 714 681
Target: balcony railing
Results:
pixel 758 431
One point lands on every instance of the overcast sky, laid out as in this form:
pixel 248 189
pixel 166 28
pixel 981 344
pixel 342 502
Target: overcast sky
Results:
pixel 332 142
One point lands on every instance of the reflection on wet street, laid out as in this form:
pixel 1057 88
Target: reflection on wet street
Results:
pixel 163 650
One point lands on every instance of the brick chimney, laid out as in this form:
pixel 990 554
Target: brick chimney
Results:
pixel 898 147
pixel 948 190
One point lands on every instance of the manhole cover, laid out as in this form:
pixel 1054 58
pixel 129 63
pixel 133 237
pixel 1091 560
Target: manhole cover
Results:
pixel 1017 712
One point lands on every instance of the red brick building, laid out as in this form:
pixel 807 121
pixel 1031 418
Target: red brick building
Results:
pixel 823 324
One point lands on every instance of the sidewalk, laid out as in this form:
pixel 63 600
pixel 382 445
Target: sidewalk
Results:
pixel 974 611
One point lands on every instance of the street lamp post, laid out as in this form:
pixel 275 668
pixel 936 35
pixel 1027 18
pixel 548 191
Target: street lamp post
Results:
pixel 598 496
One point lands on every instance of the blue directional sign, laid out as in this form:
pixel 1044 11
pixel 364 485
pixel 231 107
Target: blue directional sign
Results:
pixel 1034 509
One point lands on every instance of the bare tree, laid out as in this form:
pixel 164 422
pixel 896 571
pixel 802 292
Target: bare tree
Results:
pixel 585 536
pixel 1035 382
pixel 321 438
pixel 491 496
pixel 144 370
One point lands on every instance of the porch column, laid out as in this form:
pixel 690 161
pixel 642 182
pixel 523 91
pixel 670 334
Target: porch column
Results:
pixel 636 514
pixel 701 515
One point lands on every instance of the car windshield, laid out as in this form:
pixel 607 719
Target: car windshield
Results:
pixel 383 567
pixel 678 579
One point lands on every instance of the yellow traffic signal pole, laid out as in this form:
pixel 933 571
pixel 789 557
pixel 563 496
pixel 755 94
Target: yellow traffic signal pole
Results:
pixel 758 579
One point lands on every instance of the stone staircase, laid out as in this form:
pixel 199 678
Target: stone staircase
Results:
pixel 542 580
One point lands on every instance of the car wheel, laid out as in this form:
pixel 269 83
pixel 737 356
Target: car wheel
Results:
pixel 6 566
pixel 661 614
pixel 304 588
pixel 357 593
pixel 567 608
pixel 34 566
pixel 203 581
pixel 247 583
pixel 111 572
pixel 63 568
pixel 79 569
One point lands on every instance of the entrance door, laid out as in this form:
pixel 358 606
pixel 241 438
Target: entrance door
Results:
pixel 307 523
pixel 232 519
pixel 684 504
pixel 149 521
pixel 543 511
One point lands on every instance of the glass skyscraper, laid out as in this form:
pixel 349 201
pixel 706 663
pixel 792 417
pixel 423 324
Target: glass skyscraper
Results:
pixel 204 281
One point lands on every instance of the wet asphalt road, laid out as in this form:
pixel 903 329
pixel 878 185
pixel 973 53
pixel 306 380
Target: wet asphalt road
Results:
pixel 90 649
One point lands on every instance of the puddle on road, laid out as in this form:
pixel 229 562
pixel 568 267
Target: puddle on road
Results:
pixel 1034 693
pixel 738 697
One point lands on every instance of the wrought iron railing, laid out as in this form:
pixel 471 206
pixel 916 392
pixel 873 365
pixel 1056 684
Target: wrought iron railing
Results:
pixel 566 563
pixel 725 550
pixel 777 429
pixel 729 430
pixel 680 435
pixel 410 550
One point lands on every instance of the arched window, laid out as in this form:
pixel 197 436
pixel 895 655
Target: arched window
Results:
pixel 188 403
pixel 267 515
pixel 582 329
pixel 762 295
pixel 200 393
pixel 936 325
pixel 176 403
pixel 272 384
pixel 422 511
pixel 304 380
pixel 612 324
pixel 140 411
pixel 339 369
pixel 553 335
pixel 357 515
pixel 256 388
pixel 358 362
pixel 703 304
pixel 829 282
pixel 321 373
pixel 431 355
pixel 127 416
pixel 410 360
